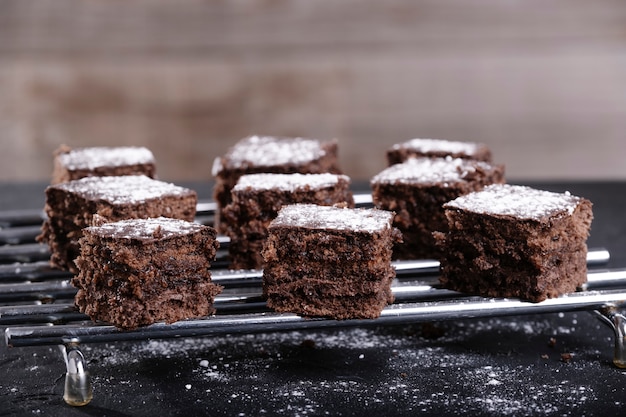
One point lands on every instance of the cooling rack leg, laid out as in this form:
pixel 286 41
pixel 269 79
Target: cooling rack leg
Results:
pixel 78 391
pixel 617 321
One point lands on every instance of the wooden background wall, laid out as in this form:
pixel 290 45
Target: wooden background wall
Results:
pixel 542 82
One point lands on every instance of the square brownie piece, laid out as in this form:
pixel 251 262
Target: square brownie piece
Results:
pixel 141 271
pixel 416 191
pixel 72 206
pixel 101 161
pixel 515 241
pixel 267 154
pixel 325 261
pixel 437 148
pixel 256 200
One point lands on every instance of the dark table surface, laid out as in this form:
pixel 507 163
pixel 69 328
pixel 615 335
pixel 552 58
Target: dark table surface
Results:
pixel 499 366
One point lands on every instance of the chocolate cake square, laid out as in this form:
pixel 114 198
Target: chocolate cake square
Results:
pixel 515 241
pixel 72 206
pixel 141 271
pixel 256 200
pixel 437 148
pixel 325 261
pixel 267 154
pixel 416 191
pixel 101 161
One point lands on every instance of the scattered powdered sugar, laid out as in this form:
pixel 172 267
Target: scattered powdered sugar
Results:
pixel 328 217
pixel 270 151
pixel 515 200
pixel 161 227
pixel 91 158
pixel 439 145
pixel 122 189
pixel 429 171
pixel 288 182
pixel 398 369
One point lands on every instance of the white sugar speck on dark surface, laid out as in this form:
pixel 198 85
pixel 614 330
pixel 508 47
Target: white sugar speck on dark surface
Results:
pixel 432 369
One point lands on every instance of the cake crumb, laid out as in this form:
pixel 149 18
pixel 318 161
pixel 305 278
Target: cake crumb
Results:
pixel 157 233
pixel 308 343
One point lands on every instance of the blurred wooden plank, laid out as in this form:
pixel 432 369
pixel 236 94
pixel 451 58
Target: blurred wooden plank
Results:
pixel 232 27
pixel 538 113
pixel 541 82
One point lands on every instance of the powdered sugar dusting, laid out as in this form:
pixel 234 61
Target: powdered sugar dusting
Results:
pixel 122 189
pixel 146 228
pixel 515 200
pixel 439 145
pixel 329 217
pixel 288 182
pixel 95 157
pixel 272 151
pixel 429 171
pixel 310 373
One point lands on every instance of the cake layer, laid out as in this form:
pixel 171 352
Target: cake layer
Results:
pixel 72 164
pixel 270 151
pixel 331 249
pixel 314 286
pixel 338 273
pixel 338 308
pixel 437 148
pixel 328 218
pixel 559 273
pixel 519 202
pixel 119 190
pixel 185 302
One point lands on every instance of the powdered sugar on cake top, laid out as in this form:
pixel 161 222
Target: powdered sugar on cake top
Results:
pixel 125 189
pixel 270 151
pixel 91 158
pixel 439 145
pixel 515 200
pixel 155 228
pixel 429 170
pixel 288 182
pixel 328 217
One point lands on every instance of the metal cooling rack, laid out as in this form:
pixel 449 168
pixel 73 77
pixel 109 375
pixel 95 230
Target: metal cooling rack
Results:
pixel 36 301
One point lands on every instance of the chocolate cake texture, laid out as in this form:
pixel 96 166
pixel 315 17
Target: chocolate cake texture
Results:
pixel 102 161
pixel 141 271
pixel 72 206
pixel 268 154
pixel 256 200
pixel 437 148
pixel 515 241
pixel 325 261
pixel 416 191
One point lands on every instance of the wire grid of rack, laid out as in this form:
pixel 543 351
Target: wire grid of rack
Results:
pixel 36 301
